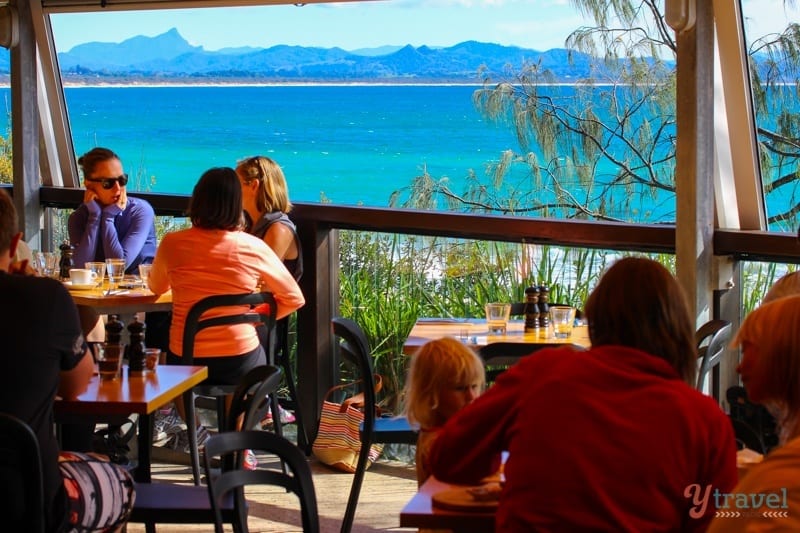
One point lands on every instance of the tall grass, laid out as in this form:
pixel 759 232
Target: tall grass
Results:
pixel 388 281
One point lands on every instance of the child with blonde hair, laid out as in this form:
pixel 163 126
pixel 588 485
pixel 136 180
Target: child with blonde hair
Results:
pixel 444 376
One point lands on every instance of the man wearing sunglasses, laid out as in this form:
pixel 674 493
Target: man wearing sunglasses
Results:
pixel 108 223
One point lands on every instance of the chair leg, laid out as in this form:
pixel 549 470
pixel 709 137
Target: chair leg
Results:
pixel 275 408
pixel 355 489
pixel 302 437
pixel 222 419
pixel 191 430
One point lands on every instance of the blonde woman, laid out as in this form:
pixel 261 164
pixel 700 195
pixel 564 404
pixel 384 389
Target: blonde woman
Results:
pixel 265 197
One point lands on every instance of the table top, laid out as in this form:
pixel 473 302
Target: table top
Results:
pixel 477 333
pixel 419 512
pixel 133 394
pixel 124 301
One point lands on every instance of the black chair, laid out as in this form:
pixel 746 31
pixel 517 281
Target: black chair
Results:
pixel 710 340
pixel 282 358
pixel 170 503
pixel 747 436
pixel 753 424
pixel 498 356
pixel 354 347
pixel 21 469
pixel 194 324
pixel 226 446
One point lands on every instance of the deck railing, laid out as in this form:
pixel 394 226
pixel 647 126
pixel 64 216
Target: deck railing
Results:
pixel 318 225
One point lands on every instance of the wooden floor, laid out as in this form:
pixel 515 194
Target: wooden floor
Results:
pixel 388 485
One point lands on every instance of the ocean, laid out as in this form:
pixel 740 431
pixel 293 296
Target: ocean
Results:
pixel 347 144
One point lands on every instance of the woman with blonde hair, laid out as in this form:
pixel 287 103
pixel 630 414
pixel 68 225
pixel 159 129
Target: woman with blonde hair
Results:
pixel 770 370
pixel 265 197
pixel 444 376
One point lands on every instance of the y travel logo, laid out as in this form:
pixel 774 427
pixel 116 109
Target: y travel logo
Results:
pixel 737 504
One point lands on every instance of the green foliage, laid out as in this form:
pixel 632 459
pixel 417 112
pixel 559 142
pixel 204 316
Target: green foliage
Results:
pixel 6 163
pixel 388 281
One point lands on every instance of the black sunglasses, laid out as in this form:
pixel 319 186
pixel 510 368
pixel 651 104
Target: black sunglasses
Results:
pixel 108 183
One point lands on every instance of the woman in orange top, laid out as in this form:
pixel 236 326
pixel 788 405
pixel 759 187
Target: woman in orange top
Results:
pixel 213 257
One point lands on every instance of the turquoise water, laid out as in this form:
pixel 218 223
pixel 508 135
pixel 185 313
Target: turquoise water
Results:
pixel 352 144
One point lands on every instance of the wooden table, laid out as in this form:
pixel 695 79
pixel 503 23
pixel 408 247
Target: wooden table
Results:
pixel 123 302
pixel 142 395
pixel 477 333
pixel 419 512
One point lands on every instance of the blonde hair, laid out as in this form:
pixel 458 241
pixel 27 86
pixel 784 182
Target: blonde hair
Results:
pixel 438 364
pixel 273 193
pixel 787 285
pixel 773 329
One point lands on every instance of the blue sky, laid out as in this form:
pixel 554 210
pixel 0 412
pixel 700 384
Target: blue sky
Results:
pixel 536 24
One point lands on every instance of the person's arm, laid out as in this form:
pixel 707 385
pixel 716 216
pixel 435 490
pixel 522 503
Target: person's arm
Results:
pixel 158 281
pixel 469 445
pixel 73 382
pixel 84 230
pixel 67 339
pixel 280 239
pixel 280 282
pixel 142 219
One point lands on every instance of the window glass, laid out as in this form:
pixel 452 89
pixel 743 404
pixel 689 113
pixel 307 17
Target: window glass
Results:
pixel 488 113
pixel 771 34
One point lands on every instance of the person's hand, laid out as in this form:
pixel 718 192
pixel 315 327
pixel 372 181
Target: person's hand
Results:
pixel 89 196
pixel 21 267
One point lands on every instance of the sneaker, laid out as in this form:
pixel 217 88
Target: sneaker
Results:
pixel 167 423
pixel 249 462
pixel 287 417
pixel 180 440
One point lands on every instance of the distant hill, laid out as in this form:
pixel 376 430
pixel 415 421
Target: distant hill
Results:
pixel 169 57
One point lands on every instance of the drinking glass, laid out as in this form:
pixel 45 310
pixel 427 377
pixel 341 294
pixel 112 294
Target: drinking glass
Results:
pixel 497 315
pixel 116 271
pixel 109 360
pixel 152 356
pixel 98 268
pixel 144 273
pixel 563 319
pixel 47 264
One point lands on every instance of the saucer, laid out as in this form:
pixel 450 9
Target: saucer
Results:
pixel 80 286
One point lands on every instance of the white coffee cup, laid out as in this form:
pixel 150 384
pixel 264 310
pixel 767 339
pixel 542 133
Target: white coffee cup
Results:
pixel 82 276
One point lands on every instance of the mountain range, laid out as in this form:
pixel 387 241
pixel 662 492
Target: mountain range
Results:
pixel 169 57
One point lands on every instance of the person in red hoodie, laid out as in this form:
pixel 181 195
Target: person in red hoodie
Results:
pixel 609 439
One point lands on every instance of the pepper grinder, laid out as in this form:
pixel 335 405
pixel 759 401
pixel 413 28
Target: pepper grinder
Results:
pixel 544 308
pixel 113 344
pixel 135 349
pixel 531 309
pixel 114 330
pixel 66 262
